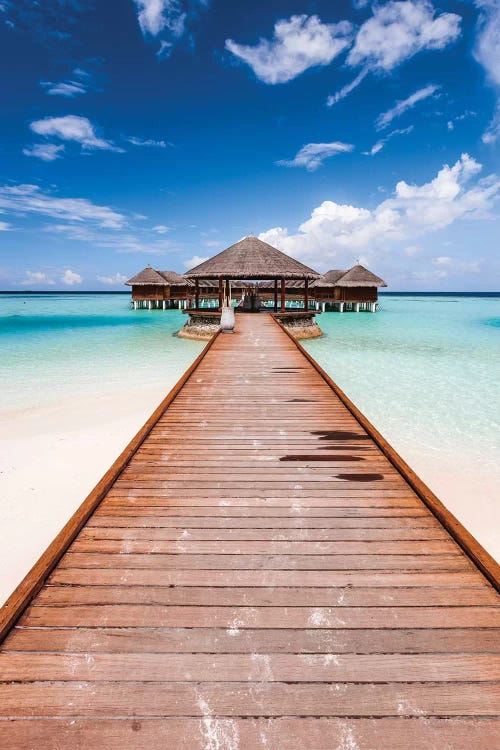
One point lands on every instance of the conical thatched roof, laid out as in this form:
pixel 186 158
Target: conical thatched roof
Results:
pixel 147 277
pixel 328 279
pixel 358 275
pixel 251 258
pixel 175 279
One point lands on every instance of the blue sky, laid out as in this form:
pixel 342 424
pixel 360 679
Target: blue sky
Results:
pixel 162 131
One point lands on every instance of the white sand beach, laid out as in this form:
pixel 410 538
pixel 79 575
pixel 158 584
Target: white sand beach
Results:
pixel 51 458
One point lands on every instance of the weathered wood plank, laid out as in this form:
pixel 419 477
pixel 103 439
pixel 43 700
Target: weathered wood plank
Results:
pixel 258 734
pixel 249 640
pixel 242 699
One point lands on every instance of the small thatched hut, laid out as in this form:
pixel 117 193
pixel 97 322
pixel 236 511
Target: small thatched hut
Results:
pixel 252 259
pixel 152 288
pixel 355 289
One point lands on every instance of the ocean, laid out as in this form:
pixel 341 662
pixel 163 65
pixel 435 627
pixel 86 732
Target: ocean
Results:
pixel 424 369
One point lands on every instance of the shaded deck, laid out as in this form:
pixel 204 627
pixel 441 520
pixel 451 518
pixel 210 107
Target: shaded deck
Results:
pixel 259 575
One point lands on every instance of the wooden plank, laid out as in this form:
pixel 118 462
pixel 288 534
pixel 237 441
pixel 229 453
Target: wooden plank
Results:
pixel 249 640
pixel 269 562
pixel 130 615
pixel 256 668
pixel 187 546
pixel 258 734
pixel 290 596
pixel 264 577
pixel 241 699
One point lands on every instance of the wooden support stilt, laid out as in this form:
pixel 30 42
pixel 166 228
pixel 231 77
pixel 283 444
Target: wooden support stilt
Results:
pixel 196 294
pixel 283 298
pixel 306 294
pixel 275 295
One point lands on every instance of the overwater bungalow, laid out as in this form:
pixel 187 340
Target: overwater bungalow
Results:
pixel 159 289
pixel 355 289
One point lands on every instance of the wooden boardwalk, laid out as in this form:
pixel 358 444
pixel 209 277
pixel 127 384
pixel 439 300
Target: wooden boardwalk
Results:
pixel 259 575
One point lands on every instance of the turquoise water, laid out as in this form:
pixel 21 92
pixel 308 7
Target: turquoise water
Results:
pixel 425 369
pixel 67 345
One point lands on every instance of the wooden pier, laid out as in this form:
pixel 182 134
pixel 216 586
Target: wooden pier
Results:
pixel 259 569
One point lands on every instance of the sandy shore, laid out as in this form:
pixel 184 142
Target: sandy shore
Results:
pixel 52 457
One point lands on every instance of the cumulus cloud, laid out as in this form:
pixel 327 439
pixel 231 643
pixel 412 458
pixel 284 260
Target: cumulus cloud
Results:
pixel 312 155
pixel 44 151
pixel 298 43
pixel 455 193
pixel 33 278
pixel 70 278
pixel 377 147
pixel 398 30
pixel 73 128
pixel 486 53
pixel 404 105
pixel 30 199
pixel 4 226
pixel 117 279
pixel 194 261
pixel 161 229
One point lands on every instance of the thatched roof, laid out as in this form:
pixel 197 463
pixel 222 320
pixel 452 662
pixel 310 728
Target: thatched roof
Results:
pixel 175 279
pixel 356 276
pixel 328 279
pixel 251 258
pixel 151 277
pixel 147 277
pixel 360 276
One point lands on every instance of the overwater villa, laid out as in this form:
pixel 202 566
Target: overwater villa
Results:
pixel 355 289
pixel 159 289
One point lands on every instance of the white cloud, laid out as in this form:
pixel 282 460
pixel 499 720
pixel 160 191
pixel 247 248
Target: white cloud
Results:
pixel 488 39
pixel 148 142
pixel 4 226
pixel 312 155
pixel 73 128
pixel 486 53
pixel 380 144
pixel 68 89
pixel 442 260
pixel 398 30
pixel 44 151
pixel 30 199
pixel 155 16
pixel 404 105
pixel 347 89
pixel 37 277
pixel 161 229
pixel 334 229
pixel 117 241
pixel 117 279
pixel 194 261
pixel 70 278
pixel 298 43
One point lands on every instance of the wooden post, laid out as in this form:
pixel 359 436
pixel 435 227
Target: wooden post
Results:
pixel 283 299
pixel 306 294
pixel 275 295
pixel 196 294
pixel 221 293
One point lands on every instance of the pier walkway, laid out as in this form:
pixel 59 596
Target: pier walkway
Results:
pixel 257 575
